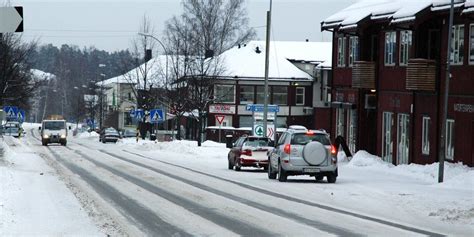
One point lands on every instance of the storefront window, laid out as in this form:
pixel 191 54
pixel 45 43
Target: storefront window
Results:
pixel 246 94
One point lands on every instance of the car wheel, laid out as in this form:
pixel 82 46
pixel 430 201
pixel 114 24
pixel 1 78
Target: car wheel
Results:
pixel 331 178
pixel 229 165
pixel 282 176
pixel 237 166
pixel 103 141
pixel 319 177
pixel 271 174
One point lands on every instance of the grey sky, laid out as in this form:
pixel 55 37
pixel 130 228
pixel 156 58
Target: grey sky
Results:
pixel 111 25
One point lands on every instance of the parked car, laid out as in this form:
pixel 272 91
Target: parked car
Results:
pixel 13 129
pixel 129 133
pixel 249 151
pixel 300 151
pixel 109 135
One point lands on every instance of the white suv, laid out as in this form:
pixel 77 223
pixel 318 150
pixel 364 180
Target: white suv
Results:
pixel 300 151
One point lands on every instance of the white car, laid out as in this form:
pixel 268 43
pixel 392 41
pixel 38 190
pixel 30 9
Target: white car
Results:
pixel 53 131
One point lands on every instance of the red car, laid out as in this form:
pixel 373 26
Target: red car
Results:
pixel 249 151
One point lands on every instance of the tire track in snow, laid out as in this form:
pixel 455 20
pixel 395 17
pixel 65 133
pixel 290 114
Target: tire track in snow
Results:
pixel 276 211
pixel 297 200
pixel 205 212
pixel 131 209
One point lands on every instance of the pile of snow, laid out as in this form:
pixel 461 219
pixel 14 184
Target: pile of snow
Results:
pixel 88 134
pixel 456 175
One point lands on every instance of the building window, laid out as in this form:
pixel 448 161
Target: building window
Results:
pixel 224 93
pixel 341 56
pixel 449 146
pixel 390 43
pixel 471 45
pixel 299 95
pixel 245 121
pixel 353 50
pixel 425 136
pixel 387 143
pixel 339 122
pixel 260 95
pixel 405 46
pixel 246 94
pixel 457 43
pixel 280 95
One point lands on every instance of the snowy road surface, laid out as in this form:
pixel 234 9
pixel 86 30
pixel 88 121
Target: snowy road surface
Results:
pixel 178 189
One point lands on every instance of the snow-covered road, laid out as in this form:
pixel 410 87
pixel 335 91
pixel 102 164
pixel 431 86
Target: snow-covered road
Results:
pixel 177 188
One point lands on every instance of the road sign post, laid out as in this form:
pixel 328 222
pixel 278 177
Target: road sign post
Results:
pixel 11 19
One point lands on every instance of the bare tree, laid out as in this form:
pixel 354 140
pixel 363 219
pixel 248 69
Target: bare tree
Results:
pixel 205 30
pixel 16 84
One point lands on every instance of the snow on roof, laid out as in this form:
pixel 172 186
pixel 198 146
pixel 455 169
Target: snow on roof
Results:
pixel 155 71
pixel 41 75
pixel 246 62
pixel 395 10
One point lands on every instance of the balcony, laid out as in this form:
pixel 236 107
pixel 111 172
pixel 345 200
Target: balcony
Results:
pixel 363 75
pixel 421 74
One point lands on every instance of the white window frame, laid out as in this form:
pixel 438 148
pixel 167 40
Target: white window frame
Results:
pixel 222 86
pixel 340 122
pixel 299 94
pixel 341 56
pixel 390 48
pixel 406 39
pixel 449 141
pixel 425 135
pixel 387 141
pixel 456 45
pixel 353 50
pixel 471 44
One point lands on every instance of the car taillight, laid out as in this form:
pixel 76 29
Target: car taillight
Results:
pixel 287 149
pixel 333 150
pixel 246 152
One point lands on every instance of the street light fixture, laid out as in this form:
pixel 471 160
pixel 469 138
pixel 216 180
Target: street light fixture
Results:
pixel 164 49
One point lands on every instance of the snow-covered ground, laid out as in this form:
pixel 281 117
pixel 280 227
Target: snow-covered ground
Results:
pixel 33 198
pixel 33 194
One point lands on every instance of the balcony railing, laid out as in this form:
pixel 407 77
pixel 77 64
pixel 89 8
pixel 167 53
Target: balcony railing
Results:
pixel 421 74
pixel 363 75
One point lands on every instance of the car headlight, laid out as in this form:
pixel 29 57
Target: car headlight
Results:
pixel 63 136
pixel 45 136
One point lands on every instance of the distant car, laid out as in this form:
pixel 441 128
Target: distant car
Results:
pixel 249 151
pixel 12 129
pixel 129 133
pixel 300 151
pixel 109 135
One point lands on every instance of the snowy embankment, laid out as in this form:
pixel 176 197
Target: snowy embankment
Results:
pixel 406 193
pixel 33 200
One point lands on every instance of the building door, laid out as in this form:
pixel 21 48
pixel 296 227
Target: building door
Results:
pixel 403 139
pixel 340 122
pixel 351 129
pixel 387 143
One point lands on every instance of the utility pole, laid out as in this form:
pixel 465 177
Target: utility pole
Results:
pixel 442 147
pixel 267 57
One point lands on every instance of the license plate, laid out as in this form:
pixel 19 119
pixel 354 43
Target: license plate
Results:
pixel 311 170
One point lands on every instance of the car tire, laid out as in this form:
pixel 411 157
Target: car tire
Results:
pixel 103 141
pixel 229 164
pixel 45 143
pixel 271 174
pixel 282 176
pixel 319 177
pixel 331 178
pixel 63 143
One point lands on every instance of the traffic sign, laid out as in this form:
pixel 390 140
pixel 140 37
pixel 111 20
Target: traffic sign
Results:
pixel 139 114
pixel 258 130
pixel 21 115
pixel 11 112
pixel 260 107
pixel 270 131
pixel 156 115
pixel 220 118
pixel 11 19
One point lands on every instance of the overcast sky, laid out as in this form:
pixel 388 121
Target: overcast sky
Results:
pixel 111 25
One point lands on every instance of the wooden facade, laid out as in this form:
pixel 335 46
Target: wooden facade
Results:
pixel 403 122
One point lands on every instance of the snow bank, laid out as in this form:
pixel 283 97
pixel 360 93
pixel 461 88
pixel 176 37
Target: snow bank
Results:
pixel 88 134
pixel 455 175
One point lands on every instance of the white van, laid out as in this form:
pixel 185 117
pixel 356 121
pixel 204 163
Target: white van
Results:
pixel 53 131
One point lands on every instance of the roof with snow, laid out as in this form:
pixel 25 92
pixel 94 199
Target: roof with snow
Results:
pixel 246 62
pixel 41 75
pixel 396 11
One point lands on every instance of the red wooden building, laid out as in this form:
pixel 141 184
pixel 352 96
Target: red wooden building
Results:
pixel 389 71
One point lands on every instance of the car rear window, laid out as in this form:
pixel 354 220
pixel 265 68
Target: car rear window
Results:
pixel 257 142
pixel 303 139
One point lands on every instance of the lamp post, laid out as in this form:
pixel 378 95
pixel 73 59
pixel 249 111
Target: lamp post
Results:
pixel 101 98
pixel 164 49
pixel 267 57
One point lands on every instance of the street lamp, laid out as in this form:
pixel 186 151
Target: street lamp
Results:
pixel 164 49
